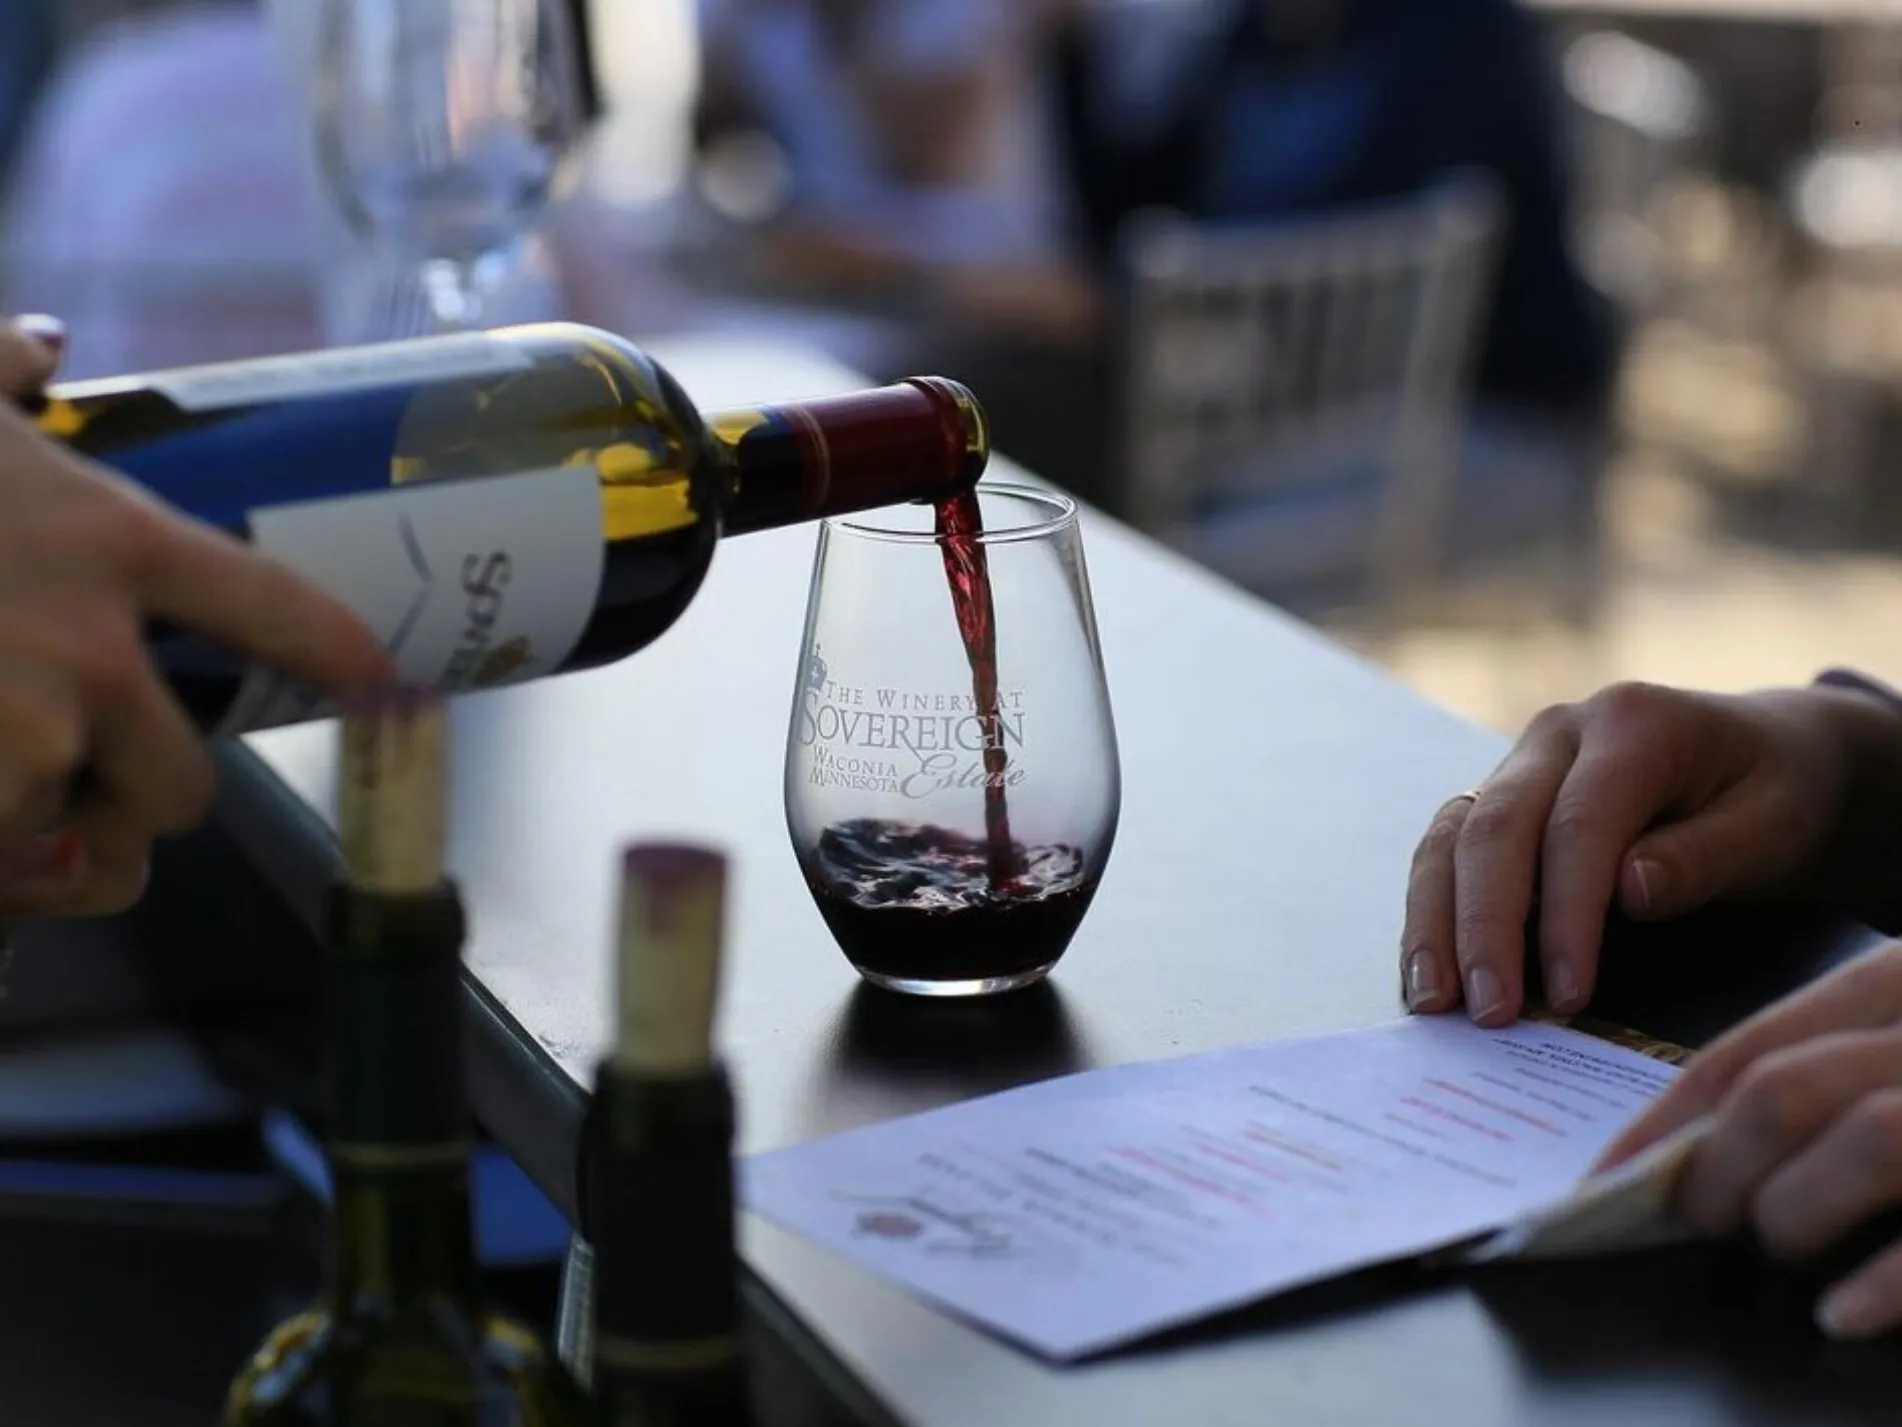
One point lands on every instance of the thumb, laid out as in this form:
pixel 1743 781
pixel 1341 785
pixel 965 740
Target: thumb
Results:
pixel 1733 845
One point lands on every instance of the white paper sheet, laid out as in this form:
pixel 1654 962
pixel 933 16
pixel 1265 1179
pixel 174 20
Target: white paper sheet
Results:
pixel 1078 1214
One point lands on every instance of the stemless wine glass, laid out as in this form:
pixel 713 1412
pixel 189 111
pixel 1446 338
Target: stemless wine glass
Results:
pixel 441 125
pixel 952 781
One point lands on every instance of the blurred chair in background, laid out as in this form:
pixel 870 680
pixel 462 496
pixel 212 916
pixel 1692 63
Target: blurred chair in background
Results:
pixel 1293 393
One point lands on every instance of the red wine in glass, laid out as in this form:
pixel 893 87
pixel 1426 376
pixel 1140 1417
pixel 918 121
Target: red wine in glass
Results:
pixel 905 901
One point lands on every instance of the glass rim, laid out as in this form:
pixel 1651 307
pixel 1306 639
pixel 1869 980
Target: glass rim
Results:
pixel 1062 507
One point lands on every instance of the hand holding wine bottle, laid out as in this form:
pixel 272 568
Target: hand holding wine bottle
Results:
pixel 464 511
pixel 87 562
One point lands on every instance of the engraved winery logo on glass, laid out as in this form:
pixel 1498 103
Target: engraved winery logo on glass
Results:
pixel 910 742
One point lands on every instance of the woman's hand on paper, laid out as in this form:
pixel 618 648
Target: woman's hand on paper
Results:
pixel 1653 800
pixel 1805 1137
pixel 86 560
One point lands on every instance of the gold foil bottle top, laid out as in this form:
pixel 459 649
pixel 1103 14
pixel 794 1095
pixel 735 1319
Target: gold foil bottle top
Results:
pixel 393 793
pixel 673 928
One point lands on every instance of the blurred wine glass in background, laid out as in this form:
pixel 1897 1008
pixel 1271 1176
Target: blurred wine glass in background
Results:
pixel 441 128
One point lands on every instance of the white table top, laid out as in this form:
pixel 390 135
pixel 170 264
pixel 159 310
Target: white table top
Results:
pixel 1207 910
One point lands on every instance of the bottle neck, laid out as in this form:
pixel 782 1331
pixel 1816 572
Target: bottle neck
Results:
pixel 657 1202
pixel 924 439
pixel 402 1239
pixel 400 1123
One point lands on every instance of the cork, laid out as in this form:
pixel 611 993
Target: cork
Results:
pixel 672 929
pixel 392 797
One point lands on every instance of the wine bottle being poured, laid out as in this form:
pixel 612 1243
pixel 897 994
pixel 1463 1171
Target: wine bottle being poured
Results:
pixel 497 505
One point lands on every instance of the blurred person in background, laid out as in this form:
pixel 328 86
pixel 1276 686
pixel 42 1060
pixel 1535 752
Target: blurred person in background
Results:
pixel 29 41
pixel 159 205
pixel 166 202
pixel 917 178
pixel 908 130
pixel 1286 107
pixel 1250 112
pixel 970 163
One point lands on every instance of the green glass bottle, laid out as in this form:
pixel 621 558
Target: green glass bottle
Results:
pixel 666 1347
pixel 401 1336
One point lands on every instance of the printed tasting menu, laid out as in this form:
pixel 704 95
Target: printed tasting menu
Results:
pixel 1082 1213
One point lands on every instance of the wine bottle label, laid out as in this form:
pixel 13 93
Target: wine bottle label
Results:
pixel 468 583
pixel 334 373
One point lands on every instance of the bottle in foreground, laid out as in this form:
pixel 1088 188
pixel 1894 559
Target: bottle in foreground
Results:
pixel 401 1336
pixel 665 1346
pixel 497 505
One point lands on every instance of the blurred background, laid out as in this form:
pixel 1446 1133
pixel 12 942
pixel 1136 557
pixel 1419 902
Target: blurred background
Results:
pixel 1524 346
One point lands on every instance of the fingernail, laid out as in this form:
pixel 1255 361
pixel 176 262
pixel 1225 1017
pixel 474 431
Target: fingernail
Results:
pixel 55 857
pixel 47 330
pixel 1485 993
pixel 1647 878
pixel 1561 986
pixel 1422 980
pixel 1851 1311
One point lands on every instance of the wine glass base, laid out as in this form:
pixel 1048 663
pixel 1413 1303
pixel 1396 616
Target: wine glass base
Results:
pixel 974 986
